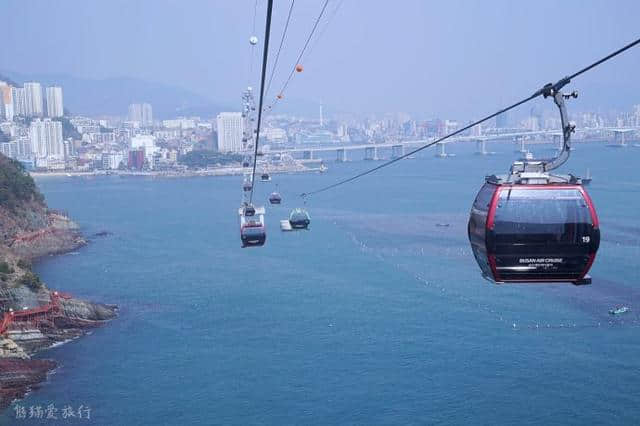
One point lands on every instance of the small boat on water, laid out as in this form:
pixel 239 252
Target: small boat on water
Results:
pixel 619 310
pixel 285 225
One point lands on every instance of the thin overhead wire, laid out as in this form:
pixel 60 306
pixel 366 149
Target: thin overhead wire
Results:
pixel 255 13
pixel 330 17
pixel 284 34
pixel 265 56
pixel 544 91
pixel 298 60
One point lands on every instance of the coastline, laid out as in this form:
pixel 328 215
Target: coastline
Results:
pixel 59 317
pixel 304 166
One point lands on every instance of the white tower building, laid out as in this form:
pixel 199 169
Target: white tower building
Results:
pixel 33 99
pixel 230 130
pixel 19 102
pixel 141 113
pixel 54 102
pixel 46 139
pixel 146 115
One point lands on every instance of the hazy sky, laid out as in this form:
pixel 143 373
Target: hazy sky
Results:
pixel 445 58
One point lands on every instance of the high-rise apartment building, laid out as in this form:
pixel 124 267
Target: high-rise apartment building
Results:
pixel 135 113
pixel 230 130
pixel 6 101
pixel 19 102
pixel 141 113
pixel 147 115
pixel 33 99
pixel 46 139
pixel 54 101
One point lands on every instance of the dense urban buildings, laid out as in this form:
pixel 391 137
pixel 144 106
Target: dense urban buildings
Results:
pixel 146 144
pixel 35 130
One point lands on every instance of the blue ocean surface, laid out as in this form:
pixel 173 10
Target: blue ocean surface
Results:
pixel 376 315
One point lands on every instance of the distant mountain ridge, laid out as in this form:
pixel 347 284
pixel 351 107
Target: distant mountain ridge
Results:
pixel 112 96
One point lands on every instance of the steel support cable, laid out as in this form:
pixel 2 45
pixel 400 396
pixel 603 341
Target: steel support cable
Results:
pixel 265 55
pixel 545 91
pixel 306 44
pixel 284 34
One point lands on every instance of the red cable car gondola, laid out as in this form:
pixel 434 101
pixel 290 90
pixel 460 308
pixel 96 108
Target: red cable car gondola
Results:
pixel 544 232
pixel 531 226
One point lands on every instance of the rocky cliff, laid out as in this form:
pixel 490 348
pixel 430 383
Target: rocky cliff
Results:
pixel 33 317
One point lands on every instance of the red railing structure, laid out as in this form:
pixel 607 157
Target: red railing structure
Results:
pixel 28 237
pixel 34 315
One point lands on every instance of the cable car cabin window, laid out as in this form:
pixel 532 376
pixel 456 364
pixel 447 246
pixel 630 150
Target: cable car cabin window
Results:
pixel 477 226
pixel 478 217
pixel 541 217
pixel 253 231
pixel 484 197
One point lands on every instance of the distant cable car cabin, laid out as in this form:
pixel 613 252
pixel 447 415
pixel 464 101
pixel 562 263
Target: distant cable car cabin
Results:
pixel 299 219
pixel 252 227
pixel 275 198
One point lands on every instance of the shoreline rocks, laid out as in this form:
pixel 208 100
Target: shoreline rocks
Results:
pixel 19 376
pixel 32 317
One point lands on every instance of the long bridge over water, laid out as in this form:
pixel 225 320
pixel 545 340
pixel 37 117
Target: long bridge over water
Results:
pixel 620 136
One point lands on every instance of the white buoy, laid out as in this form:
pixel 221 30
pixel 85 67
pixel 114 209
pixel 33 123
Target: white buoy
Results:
pixel 253 40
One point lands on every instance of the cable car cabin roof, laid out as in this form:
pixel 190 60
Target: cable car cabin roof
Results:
pixel 259 211
pixel 532 178
pixel 298 214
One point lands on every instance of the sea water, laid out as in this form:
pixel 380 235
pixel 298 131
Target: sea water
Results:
pixel 376 315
